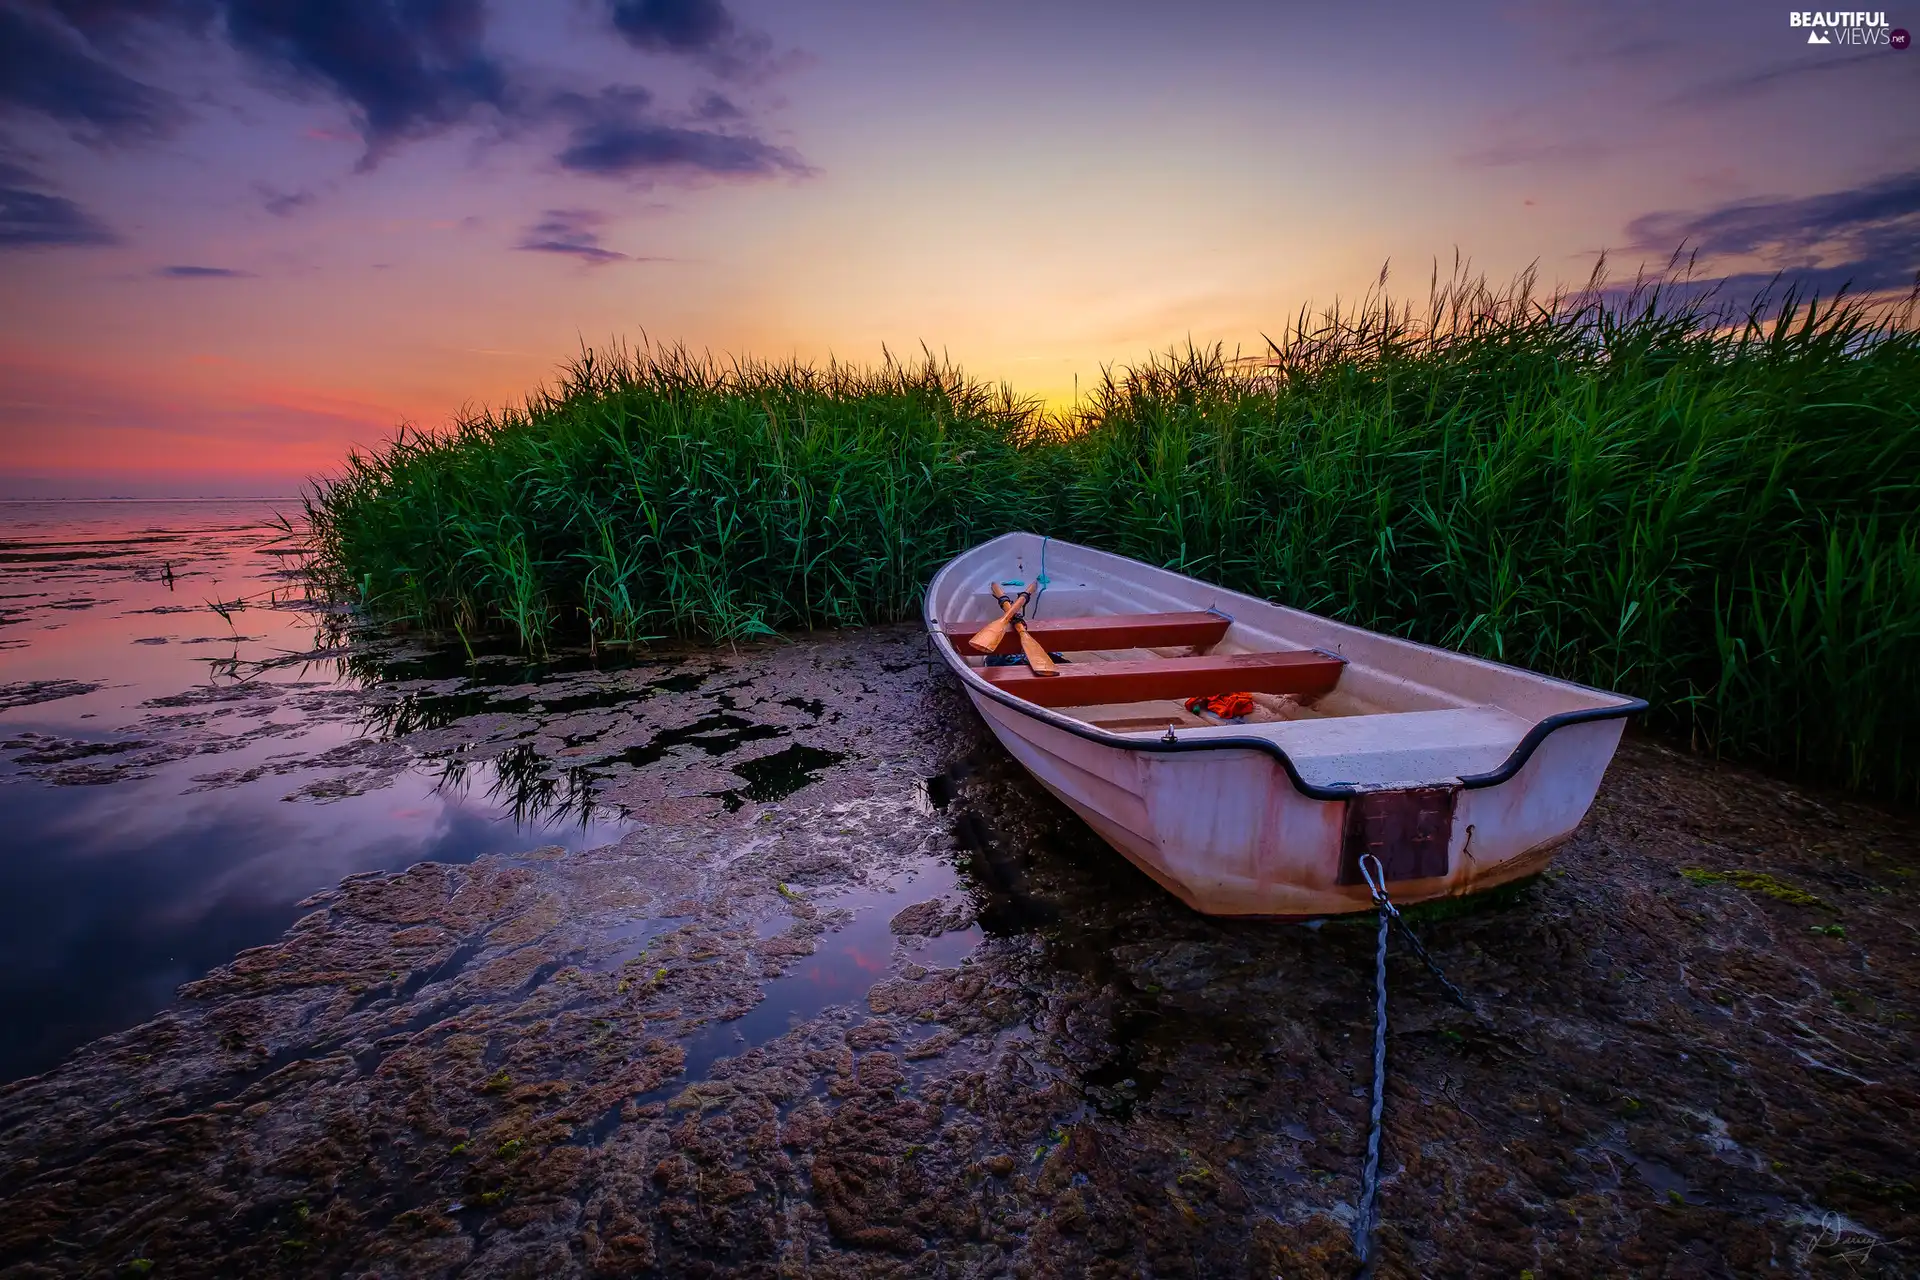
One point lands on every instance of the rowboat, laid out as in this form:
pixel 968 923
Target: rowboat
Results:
pixel 1457 773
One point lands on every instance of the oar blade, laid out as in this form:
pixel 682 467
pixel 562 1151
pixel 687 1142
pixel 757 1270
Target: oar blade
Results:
pixel 1036 653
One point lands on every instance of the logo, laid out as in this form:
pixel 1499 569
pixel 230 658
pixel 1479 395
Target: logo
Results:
pixel 1847 28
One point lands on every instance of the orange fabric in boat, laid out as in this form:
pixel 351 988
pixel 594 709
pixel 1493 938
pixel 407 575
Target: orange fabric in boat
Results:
pixel 1227 706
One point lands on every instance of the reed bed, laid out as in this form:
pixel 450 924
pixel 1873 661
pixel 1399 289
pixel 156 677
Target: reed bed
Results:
pixel 1716 512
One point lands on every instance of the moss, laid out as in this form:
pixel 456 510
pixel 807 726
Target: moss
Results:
pixel 1851 1184
pixel 1756 882
pixel 1497 898
pixel 1436 910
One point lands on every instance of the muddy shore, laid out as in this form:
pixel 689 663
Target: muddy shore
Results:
pixel 855 998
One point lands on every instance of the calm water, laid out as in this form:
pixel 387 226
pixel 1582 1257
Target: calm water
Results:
pixel 164 807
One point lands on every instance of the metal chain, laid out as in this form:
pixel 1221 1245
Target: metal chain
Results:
pixel 1364 1219
pixel 1370 1177
pixel 1433 967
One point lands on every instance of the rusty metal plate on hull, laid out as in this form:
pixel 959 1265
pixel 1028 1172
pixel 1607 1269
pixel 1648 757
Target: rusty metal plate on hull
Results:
pixel 1407 830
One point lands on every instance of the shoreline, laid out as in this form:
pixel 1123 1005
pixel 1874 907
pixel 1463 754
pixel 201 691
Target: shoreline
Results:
pixel 1033 1058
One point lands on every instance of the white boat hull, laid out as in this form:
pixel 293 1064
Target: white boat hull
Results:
pixel 1250 820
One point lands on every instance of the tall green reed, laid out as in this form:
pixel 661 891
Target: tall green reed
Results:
pixel 1715 511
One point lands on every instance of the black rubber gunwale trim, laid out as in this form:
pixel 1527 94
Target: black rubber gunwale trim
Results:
pixel 1337 791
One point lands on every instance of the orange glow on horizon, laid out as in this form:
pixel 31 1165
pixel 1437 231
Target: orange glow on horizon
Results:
pixel 1039 197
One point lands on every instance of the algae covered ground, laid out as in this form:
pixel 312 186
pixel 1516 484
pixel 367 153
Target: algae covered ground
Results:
pixel 854 998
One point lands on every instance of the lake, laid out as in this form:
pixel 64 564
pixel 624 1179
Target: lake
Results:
pixel 177 779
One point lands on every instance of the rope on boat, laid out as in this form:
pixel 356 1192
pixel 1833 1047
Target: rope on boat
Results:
pixel 1041 580
pixel 1364 1219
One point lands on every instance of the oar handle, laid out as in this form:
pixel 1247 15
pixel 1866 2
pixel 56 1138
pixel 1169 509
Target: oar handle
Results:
pixel 988 638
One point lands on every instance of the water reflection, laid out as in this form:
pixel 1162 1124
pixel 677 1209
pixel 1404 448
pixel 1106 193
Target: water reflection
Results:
pixel 166 656
pixel 521 782
pixel 115 895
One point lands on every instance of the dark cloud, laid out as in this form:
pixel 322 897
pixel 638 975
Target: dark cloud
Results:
pixel 405 67
pixel 201 273
pixel 717 106
pixel 46 66
pixel 699 29
pixel 1877 224
pixel 1746 226
pixel 402 67
pixel 1873 231
pixel 622 150
pixel 282 204
pixel 1740 291
pixel 612 137
pixel 109 17
pixel 33 219
pixel 677 26
pixel 572 232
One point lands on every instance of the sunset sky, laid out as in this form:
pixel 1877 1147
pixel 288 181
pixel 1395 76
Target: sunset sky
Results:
pixel 239 236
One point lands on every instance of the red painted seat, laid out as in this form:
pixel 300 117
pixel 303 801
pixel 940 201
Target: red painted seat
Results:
pixel 1111 631
pixel 1305 672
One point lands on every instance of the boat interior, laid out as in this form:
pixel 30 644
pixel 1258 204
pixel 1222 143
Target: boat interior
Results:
pixel 1348 706
pixel 1135 672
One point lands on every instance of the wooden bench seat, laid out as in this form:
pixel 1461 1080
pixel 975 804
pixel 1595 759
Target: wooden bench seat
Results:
pixel 1306 673
pixel 1111 631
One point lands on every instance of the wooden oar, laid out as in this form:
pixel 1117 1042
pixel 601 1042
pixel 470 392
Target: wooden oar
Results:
pixel 988 638
pixel 1037 658
pixel 1036 655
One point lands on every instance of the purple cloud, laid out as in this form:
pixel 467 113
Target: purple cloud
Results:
pixel 1875 228
pixel 573 233
pixel 699 29
pixel 48 68
pixel 31 218
pixel 613 136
